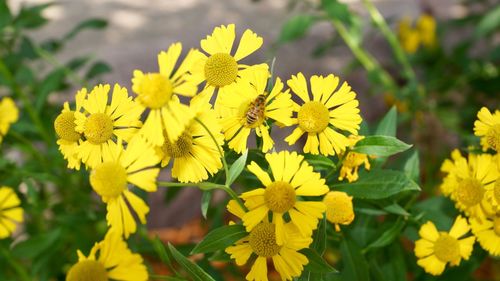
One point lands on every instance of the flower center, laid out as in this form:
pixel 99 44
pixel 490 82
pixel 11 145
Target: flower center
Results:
pixel 180 148
pixel 470 192
pixel 221 69
pixel 280 196
pixel 496 225
pixel 262 239
pixel 339 207
pixel 493 137
pixel 313 117
pixel 98 128
pixel 447 248
pixel 87 270
pixel 65 126
pixel 155 90
pixel 109 179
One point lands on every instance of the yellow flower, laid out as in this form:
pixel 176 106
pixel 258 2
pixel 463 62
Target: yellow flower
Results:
pixel 426 26
pixel 68 137
pixel 110 180
pixel 492 194
pixel 158 92
pixel 409 38
pixel 194 153
pixel 468 180
pixel 101 122
pixel 325 115
pixel 488 128
pixel 339 208
pixel 261 243
pixel 352 161
pixel 435 249
pixel 8 115
pixel 247 106
pixel 292 177
pixel 219 68
pixel 109 259
pixel 10 211
pixel 487 231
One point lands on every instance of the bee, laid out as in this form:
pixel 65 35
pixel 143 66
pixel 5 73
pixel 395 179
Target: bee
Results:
pixel 255 110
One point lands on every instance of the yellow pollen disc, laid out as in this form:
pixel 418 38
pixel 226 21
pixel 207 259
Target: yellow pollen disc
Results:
pixel 469 192
pixel 179 148
pixel 108 179
pixel 496 225
pixel 279 196
pixel 155 90
pixel 65 126
pixel 262 239
pixel 221 69
pixel 447 248
pixel 87 270
pixel 313 117
pixel 493 137
pixel 339 207
pixel 98 128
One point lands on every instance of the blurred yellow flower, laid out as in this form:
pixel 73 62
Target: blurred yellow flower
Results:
pixel 435 249
pixel 247 106
pixel 102 122
pixel 352 161
pixel 110 180
pixel 329 112
pixel 292 177
pixel 8 115
pixel 339 209
pixel 424 33
pixel 109 259
pixel 10 212
pixel 426 26
pixel 488 128
pixel 408 36
pixel 261 242
pixel 487 231
pixel 158 92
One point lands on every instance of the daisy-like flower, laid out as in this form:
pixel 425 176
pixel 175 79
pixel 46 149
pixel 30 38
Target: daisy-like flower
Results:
pixel 100 122
pixel 68 137
pixel 487 232
pixel 291 177
pixel 10 212
pixel 247 106
pixel 261 243
pixel 435 249
pixel 109 259
pixel 339 209
pixel 8 115
pixel 488 128
pixel 110 180
pixel 468 180
pixel 352 161
pixel 158 92
pixel 194 154
pixel 329 112
pixel 492 194
pixel 220 67
pixel 409 37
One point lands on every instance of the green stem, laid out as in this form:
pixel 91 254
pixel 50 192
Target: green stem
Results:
pixel 18 268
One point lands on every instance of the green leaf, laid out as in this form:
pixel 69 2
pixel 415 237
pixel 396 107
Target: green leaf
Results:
pixel 320 162
pixel 36 245
pixel 5 15
pixel 382 146
pixel 355 264
pixel 205 202
pixel 396 209
pixel 378 184
pixel 220 238
pixel 296 27
pixel 160 250
pixel 316 263
pixel 97 69
pixel 31 17
pixel 388 124
pixel 87 24
pixel 319 237
pixel 412 166
pixel 388 235
pixel 489 23
pixel 51 83
pixel 194 271
pixel 237 167
pixel 336 10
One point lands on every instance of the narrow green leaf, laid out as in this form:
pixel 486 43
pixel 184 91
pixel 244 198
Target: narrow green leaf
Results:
pixel 160 250
pixel 336 10
pixel 382 146
pixel 489 23
pixel 36 245
pixel 194 271
pixel 355 264
pixel 5 15
pixel 52 82
pixel 87 24
pixel 378 184
pixel 412 166
pixel 97 69
pixel 205 202
pixel 319 237
pixel 387 236
pixel 388 124
pixel 296 27
pixel 316 263
pixel 31 17
pixel 320 162
pixel 396 209
pixel 220 238
pixel 237 167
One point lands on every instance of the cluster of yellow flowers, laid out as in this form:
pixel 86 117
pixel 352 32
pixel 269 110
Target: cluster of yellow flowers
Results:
pixel 473 184
pixel 108 135
pixel 423 34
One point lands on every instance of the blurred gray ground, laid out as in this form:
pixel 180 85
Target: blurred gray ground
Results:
pixel 138 30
